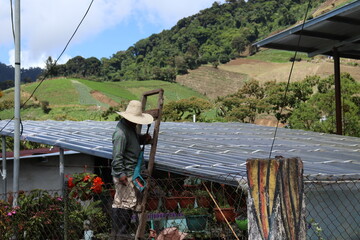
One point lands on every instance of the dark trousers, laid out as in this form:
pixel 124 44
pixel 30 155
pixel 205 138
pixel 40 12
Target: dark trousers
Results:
pixel 121 221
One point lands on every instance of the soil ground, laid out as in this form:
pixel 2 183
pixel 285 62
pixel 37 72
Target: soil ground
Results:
pixel 228 78
pixel 103 98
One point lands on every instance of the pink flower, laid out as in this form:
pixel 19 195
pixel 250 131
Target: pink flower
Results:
pixel 11 213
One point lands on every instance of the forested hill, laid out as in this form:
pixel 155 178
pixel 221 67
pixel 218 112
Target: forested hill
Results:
pixel 214 35
pixel 7 75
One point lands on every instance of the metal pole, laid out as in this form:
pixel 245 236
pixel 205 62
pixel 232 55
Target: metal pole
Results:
pixel 61 168
pixel 4 166
pixel 337 92
pixel 17 104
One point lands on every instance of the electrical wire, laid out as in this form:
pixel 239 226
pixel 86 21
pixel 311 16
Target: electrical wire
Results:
pixel 54 64
pixel 288 81
pixel 51 66
pixel 12 19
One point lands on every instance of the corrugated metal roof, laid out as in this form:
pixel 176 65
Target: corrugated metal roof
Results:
pixel 34 152
pixel 215 151
pixel 339 29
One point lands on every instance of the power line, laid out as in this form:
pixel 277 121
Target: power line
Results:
pixel 288 82
pixel 12 19
pixel 54 64
pixel 51 66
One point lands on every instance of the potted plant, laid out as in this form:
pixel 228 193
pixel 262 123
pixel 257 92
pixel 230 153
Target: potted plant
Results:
pixel 84 186
pixel 155 194
pixel 202 198
pixel 186 199
pixel 223 210
pixel 192 183
pixel 196 218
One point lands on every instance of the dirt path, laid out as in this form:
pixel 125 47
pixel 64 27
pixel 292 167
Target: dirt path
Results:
pixel 103 98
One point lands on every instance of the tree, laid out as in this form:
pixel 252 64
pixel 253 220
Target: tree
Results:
pixel 245 105
pixel 50 68
pixel 318 113
pixel 92 66
pixel 181 65
pixel 184 109
pixel 76 67
pixel 283 101
pixel 239 43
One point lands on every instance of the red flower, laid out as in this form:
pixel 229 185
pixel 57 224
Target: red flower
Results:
pixel 70 182
pixel 97 185
pixel 98 180
pixel 86 178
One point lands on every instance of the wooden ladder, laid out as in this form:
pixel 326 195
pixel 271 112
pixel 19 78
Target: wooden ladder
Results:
pixel 156 113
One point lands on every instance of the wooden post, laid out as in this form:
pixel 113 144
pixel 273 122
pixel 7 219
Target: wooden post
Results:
pixel 156 113
pixel 276 205
pixel 337 84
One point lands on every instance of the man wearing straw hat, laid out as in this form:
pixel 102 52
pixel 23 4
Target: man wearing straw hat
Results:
pixel 126 150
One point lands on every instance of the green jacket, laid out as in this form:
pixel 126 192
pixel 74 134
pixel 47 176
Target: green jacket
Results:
pixel 126 150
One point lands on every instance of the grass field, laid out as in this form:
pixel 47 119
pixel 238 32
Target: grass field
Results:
pixel 72 99
pixel 134 89
pixel 56 91
pixel 278 56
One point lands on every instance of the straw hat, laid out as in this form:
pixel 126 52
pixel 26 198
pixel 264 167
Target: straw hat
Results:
pixel 133 113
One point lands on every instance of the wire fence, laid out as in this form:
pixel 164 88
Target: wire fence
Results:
pixel 185 207
pixel 333 208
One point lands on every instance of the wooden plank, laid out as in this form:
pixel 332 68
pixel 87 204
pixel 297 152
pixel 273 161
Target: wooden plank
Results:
pixel 276 206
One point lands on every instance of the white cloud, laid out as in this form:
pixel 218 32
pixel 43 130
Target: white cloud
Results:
pixel 47 25
pixel 29 60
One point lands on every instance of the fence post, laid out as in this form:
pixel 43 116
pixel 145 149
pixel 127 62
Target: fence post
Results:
pixel 4 177
pixel 61 171
pixel 66 204
pixel 276 204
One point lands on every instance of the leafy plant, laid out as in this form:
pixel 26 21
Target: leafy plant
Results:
pixel 195 211
pixel 192 181
pixel 40 215
pixel 84 185
pixel 317 229
pixel 201 193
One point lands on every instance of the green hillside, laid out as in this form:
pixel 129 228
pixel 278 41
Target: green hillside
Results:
pixel 214 35
pixel 79 99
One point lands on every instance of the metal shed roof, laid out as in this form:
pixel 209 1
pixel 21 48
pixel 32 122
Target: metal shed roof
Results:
pixel 215 151
pixel 339 29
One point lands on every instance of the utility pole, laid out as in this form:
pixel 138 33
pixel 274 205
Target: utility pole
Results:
pixel 17 105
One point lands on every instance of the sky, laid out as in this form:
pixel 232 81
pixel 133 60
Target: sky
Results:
pixel 110 26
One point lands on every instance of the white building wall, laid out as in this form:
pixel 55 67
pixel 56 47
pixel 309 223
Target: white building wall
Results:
pixel 44 173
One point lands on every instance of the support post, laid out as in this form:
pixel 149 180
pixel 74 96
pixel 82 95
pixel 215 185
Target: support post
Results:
pixel 61 171
pixel 337 92
pixel 4 177
pixel 276 204
pixel 17 105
